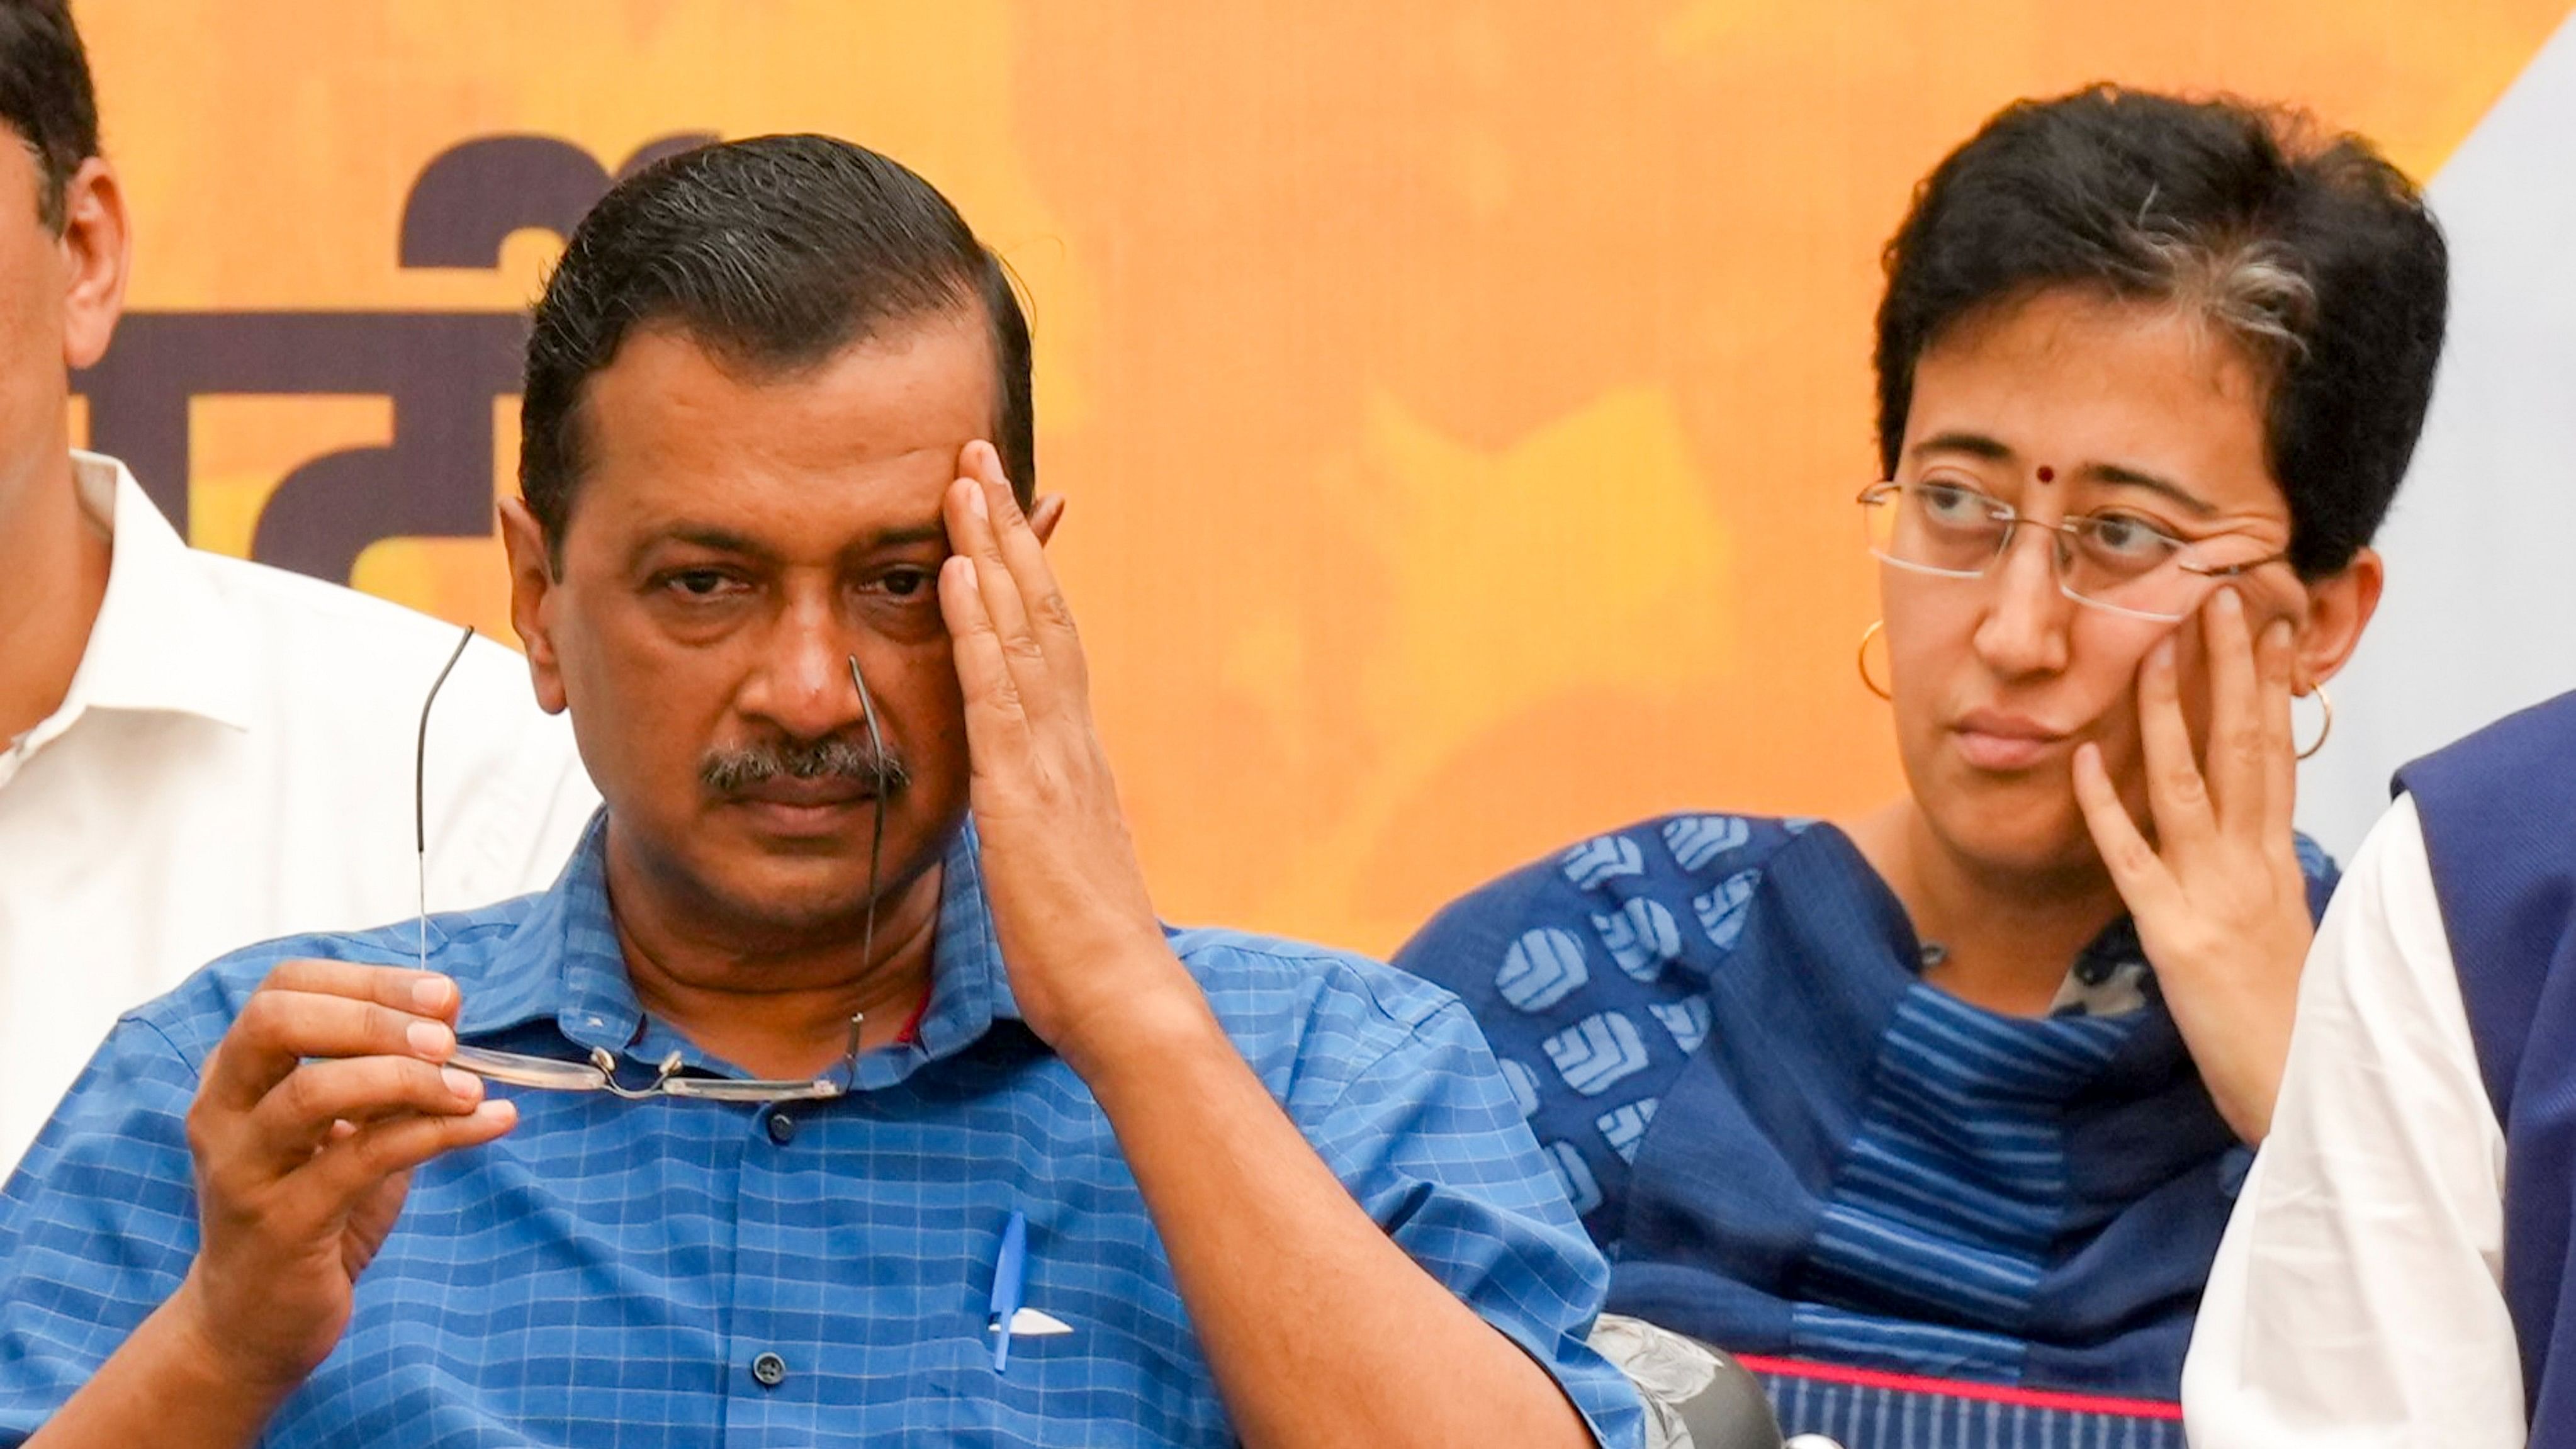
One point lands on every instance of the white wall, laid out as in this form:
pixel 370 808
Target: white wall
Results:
pixel 2480 615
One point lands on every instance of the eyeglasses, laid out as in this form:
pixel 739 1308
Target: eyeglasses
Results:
pixel 601 1072
pixel 2111 560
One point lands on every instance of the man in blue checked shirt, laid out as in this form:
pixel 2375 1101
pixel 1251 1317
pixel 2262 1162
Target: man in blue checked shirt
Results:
pixel 849 1090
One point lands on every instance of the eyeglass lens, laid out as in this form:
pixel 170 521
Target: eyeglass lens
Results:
pixel 2111 560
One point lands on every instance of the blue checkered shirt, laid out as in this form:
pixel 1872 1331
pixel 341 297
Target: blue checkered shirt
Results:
pixel 611 1272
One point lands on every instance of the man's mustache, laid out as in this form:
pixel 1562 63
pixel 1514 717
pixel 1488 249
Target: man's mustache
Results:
pixel 833 757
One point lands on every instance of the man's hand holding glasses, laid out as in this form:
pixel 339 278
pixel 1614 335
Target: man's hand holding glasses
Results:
pixel 325 1094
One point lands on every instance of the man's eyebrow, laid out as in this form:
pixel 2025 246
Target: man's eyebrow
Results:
pixel 1975 445
pixel 934 531
pixel 2166 488
pixel 706 536
pixel 722 540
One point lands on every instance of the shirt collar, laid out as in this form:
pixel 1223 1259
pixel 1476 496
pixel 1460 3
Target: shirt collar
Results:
pixel 564 963
pixel 161 641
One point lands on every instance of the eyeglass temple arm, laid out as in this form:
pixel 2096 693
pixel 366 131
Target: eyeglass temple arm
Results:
pixel 420 789
pixel 2230 571
pixel 868 713
pixel 876 842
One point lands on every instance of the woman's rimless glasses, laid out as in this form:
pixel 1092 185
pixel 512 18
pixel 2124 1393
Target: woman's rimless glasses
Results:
pixel 2110 560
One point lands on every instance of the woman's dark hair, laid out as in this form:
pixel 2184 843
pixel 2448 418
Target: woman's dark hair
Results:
pixel 2310 252
pixel 773 253
pixel 45 96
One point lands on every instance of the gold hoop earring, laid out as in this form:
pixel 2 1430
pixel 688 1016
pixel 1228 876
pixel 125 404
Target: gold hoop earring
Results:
pixel 1863 657
pixel 2327 706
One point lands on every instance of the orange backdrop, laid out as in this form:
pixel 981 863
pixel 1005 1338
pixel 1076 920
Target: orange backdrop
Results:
pixel 1460 403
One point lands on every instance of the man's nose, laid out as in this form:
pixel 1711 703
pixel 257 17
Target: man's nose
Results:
pixel 803 682
pixel 2024 629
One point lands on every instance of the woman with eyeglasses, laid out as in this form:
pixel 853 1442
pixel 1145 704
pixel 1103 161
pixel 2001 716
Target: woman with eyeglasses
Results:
pixel 1964 1086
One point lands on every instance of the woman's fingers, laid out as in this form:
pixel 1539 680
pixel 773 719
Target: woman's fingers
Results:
pixel 2238 767
pixel 2141 876
pixel 2177 795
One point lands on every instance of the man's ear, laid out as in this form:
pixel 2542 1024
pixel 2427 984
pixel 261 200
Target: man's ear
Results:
pixel 532 596
pixel 2339 608
pixel 1045 514
pixel 98 248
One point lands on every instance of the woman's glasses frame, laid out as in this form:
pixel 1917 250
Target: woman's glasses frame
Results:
pixel 600 1072
pixel 1876 499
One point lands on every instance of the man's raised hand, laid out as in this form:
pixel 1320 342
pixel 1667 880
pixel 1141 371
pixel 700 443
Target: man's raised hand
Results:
pixel 1086 954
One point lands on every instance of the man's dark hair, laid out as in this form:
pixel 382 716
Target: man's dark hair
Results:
pixel 2310 252
pixel 774 254
pixel 45 96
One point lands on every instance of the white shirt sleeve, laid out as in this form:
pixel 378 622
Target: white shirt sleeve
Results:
pixel 2356 1300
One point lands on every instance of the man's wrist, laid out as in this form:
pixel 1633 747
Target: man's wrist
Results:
pixel 198 1345
pixel 1147 1031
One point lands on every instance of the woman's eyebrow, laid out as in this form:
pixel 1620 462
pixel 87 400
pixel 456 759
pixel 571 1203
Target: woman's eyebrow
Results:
pixel 2124 477
pixel 1975 445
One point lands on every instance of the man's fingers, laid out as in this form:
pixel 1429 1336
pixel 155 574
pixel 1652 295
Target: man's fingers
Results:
pixel 355 1163
pixel 997 725
pixel 422 993
pixel 298 1114
pixel 1049 617
pixel 2176 794
pixel 974 530
pixel 283 1023
pixel 1047 516
pixel 2141 877
pixel 2239 774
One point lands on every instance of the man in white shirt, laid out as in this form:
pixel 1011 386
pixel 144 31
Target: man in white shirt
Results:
pixel 195 752
pixel 2399 1270
pixel 2358 1297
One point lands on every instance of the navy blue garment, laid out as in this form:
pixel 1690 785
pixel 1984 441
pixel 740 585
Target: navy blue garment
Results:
pixel 1791 1145
pixel 2499 817
pixel 673 1272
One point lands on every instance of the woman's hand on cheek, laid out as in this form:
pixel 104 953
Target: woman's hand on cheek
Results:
pixel 2220 902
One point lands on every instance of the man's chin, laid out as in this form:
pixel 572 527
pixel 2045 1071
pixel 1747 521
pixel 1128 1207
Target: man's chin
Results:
pixel 800 885
pixel 777 900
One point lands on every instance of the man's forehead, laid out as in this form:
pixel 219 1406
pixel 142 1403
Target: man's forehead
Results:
pixel 907 385
pixel 868 502
pixel 868 437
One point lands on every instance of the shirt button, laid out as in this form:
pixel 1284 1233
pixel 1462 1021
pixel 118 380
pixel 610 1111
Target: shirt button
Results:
pixel 782 1128
pixel 770 1370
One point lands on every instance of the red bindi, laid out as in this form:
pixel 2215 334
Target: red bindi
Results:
pixel 2047 474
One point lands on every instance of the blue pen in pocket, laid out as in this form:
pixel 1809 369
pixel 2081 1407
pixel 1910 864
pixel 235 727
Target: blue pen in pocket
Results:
pixel 1008 1267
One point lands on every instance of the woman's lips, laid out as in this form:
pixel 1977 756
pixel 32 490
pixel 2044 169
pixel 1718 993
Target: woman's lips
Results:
pixel 2002 742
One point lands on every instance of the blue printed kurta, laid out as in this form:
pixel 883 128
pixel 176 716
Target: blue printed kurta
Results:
pixel 1790 1144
